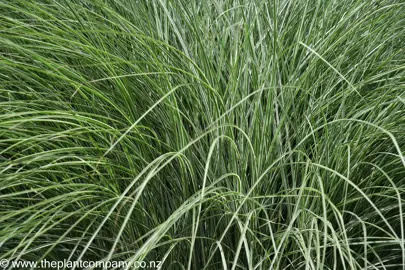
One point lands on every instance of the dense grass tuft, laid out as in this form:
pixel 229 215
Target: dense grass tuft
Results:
pixel 204 134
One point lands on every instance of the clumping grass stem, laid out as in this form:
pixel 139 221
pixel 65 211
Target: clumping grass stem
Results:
pixel 264 134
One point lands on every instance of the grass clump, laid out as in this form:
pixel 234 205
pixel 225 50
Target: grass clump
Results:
pixel 203 134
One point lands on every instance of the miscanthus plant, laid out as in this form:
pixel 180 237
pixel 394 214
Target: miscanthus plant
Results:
pixel 266 134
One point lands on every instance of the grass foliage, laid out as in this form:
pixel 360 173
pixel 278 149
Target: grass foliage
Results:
pixel 206 134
